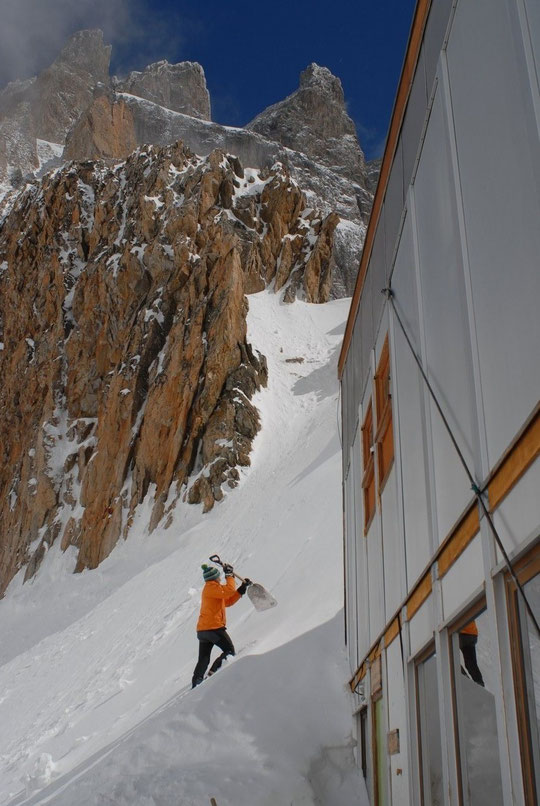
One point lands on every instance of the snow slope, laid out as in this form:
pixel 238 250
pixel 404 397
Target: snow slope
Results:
pixel 95 699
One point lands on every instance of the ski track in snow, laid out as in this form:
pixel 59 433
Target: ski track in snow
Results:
pixel 95 699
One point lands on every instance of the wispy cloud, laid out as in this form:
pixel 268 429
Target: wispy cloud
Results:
pixel 32 32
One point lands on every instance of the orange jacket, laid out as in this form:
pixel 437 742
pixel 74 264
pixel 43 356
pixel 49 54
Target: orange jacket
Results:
pixel 215 598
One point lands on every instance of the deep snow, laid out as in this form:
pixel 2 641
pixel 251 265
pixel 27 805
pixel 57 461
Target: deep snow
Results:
pixel 95 704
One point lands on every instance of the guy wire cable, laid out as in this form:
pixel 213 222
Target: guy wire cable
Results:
pixel 389 294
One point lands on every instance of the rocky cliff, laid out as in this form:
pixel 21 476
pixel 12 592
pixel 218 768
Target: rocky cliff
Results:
pixel 126 370
pixel 49 105
pixel 314 120
pixel 77 105
pixel 180 87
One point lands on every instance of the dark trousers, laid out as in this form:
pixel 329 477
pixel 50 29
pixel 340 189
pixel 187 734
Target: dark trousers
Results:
pixel 467 644
pixel 207 640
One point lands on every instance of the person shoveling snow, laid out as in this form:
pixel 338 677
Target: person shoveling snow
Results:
pixel 211 629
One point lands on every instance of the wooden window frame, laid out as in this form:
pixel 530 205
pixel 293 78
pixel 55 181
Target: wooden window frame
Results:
pixel 368 463
pixel 526 569
pixel 384 436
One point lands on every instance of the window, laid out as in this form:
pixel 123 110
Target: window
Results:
pixel 474 664
pixel 363 730
pixel 429 726
pixel 368 478
pixel 384 438
pixel 526 663
pixel 379 734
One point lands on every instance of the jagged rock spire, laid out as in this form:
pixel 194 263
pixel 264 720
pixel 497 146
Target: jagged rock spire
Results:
pixel 314 120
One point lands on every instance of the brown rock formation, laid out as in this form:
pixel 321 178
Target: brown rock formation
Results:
pixel 64 90
pixel 125 366
pixel 105 130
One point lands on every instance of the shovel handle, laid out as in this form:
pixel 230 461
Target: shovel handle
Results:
pixel 216 559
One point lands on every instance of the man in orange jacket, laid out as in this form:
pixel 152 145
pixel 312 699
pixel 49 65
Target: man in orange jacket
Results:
pixel 468 638
pixel 211 629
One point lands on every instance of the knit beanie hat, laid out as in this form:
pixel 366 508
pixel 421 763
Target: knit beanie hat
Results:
pixel 209 572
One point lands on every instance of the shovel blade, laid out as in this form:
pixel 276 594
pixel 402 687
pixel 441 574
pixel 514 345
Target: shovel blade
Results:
pixel 260 598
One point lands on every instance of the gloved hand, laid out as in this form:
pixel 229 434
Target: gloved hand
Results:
pixel 243 587
pixel 228 570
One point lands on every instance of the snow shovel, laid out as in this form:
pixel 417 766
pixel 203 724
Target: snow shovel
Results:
pixel 260 598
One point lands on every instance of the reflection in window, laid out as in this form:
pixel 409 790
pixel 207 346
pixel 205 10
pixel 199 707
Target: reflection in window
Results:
pixel 474 676
pixel 430 732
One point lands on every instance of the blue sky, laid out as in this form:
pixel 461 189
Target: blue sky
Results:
pixel 252 52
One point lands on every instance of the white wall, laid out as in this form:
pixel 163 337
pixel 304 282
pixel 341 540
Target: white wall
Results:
pixel 499 169
pixel 447 337
pixel 409 414
pixel 463 578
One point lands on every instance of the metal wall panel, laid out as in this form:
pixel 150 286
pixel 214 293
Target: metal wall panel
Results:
pixel 533 24
pixel 437 24
pixel 413 123
pixel 463 578
pixel 377 270
pixel 518 516
pixel 408 399
pixel 421 626
pixel 447 338
pixel 367 332
pixel 358 374
pixel 362 579
pixel 397 719
pixel 499 164
pixel 393 206
pixel 347 412
pixel 375 563
pixel 393 550
pixel 350 555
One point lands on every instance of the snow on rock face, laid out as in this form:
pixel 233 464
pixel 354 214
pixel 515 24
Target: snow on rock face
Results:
pixel 46 106
pixel 180 87
pixel 75 102
pixel 95 698
pixel 123 318
pixel 327 187
pixel 314 120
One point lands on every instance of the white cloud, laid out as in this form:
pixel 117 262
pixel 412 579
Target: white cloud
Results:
pixel 32 32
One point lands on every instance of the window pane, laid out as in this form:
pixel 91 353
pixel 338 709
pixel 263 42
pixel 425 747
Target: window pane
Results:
pixel 430 732
pixel 532 667
pixel 380 753
pixel 474 667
